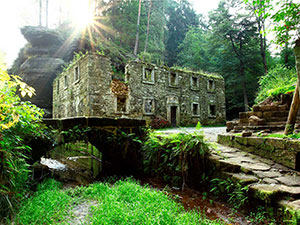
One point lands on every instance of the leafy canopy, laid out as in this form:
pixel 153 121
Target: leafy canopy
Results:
pixel 285 15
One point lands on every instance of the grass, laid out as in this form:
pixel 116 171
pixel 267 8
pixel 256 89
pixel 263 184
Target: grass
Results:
pixel 125 202
pixel 47 206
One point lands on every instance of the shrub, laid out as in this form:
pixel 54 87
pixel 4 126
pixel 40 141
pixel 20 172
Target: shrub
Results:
pixel 158 123
pixel 279 80
pixel 17 119
pixel 172 156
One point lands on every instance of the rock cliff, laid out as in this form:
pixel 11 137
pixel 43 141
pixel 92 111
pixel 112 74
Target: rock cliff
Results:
pixel 45 55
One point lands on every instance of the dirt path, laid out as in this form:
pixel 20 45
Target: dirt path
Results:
pixel 211 133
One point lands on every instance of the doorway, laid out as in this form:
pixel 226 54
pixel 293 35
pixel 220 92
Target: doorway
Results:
pixel 173 115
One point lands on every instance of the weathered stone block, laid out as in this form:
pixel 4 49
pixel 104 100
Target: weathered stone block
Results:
pixel 241 140
pixel 255 141
pixel 256 108
pixel 277 143
pixel 293 145
pixel 250 113
pixel 265 108
pixel 282 108
pixel 244 121
pixel 254 120
pixel 246 134
pixel 242 115
pixel 224 139
pixel 265 192
pixel 258 114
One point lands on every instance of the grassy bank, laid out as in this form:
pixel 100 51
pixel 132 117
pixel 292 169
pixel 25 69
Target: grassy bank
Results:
pixel 125 202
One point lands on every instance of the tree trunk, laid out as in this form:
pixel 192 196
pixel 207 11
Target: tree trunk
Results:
pixel 246 102
pixel 47 13
pixel 137 29
pixel 290 124
pixel 148 26
pixel 40 14
pixel 263 52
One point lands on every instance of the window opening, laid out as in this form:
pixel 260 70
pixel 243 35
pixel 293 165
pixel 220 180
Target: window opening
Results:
pixel 195 109
pixel 148 106
pixel 76 73
pixel 121 104
pixel 212 110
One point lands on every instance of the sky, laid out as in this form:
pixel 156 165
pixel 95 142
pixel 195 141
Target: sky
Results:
pixel 15 14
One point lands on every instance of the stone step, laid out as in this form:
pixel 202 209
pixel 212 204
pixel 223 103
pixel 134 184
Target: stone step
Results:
pixel 268 181
pixel 258 128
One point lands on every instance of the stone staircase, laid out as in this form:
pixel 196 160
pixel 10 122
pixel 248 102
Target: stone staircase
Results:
pixel 269 182
pixel 263 117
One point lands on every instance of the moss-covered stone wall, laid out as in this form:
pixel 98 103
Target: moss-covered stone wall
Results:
pixel 183 98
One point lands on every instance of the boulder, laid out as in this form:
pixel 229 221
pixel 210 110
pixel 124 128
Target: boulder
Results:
pixel 255 120
pixel 39 72
pixel 41 36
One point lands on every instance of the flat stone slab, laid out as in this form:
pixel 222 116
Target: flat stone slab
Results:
pixel 265 192
pixel 256 166
pixel 291 191
pixel 294 205
pixel 270 181
pixel 243 178
pixel 289 180
pixel 267 174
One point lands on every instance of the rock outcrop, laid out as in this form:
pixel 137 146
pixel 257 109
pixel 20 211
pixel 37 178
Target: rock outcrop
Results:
pixel 42 64
pixel 45 53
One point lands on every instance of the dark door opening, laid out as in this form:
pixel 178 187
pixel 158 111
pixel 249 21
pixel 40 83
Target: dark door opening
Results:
pixel 173 115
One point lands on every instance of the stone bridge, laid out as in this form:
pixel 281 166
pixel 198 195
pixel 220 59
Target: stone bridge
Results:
pixel 112 137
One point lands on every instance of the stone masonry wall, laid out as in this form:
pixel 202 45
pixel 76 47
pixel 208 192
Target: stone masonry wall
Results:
pixel 192 102
pixel 182 98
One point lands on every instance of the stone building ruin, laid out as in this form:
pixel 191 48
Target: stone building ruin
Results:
pixel 86 89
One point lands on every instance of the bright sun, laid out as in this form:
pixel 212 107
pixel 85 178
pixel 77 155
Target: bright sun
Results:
pixel 82 14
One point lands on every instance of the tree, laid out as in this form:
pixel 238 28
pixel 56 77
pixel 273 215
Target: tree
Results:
pixel 241 33
pixel 148 26
pixel 181 17
pixel 260 21
pixel 137 29
pixel 286 19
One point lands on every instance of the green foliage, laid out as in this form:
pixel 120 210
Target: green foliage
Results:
pixel 181 16
pixel 258 216
pixel 125 202
pixel 170 156
pixel 279 80
pixel 194 50
pixel 284 15
pixel 235 192
pixel 18 120
pixel 76 57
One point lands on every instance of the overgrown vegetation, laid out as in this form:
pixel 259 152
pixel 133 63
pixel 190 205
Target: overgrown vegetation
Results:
pixel 125 202
pixel 172 156
pixel 235 192
pixel 279 80
pixel 18 119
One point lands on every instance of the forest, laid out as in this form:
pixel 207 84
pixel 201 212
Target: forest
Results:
pixel 253 44
pixel 231 41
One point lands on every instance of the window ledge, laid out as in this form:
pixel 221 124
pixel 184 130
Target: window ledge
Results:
pixel 148 114
pixel 76 81
pixel 148 82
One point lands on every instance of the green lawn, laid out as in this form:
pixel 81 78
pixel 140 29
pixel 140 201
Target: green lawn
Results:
pixel 125 202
